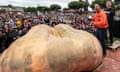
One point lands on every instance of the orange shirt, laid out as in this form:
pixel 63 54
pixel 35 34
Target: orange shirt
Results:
pixel 100 20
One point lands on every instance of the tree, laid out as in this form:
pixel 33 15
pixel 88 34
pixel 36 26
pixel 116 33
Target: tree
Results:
pixel 43 8
pixel 84 4
pixel 117 0
pixel 46 9
pixel 65 9
pixel 55 7
pixel 10 6
pixel 102 3
pixel 30 9
pixel 74 5
pixel 78 4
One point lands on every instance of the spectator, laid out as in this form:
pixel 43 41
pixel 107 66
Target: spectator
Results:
pixel 101 23
pixel 110 14
pixel 10 36
pixel 1 42
pixel 15 25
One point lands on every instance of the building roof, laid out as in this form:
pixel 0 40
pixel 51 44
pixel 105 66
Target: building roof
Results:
pixel 6 6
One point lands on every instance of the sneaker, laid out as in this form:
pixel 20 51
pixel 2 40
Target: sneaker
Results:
pixel 115 45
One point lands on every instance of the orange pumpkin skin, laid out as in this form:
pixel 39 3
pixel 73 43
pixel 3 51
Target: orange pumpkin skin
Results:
pixel 58 49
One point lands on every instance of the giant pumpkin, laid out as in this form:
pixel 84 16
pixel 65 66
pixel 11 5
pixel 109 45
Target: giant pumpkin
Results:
pixel 47 49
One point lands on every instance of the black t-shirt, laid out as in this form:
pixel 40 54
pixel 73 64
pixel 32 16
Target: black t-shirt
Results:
pixel 11 34
pixel 110 15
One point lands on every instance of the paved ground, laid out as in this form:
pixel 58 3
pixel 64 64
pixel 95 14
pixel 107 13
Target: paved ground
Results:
pixel 111 63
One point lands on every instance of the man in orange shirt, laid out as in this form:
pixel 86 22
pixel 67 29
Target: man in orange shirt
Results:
pixel 101 23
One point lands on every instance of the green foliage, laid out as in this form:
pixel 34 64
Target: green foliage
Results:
pixel 43 8
pixel 102 3
pixel 117 1
pixel 55 7
pixel 65 9
pixel 84 4
pixel 74 5
pixel 30 9
pixel 78 4
pixel 9 5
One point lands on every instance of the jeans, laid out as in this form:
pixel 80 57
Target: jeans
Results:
pixel 101 35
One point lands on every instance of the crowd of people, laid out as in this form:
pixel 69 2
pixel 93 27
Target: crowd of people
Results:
pixel 15 25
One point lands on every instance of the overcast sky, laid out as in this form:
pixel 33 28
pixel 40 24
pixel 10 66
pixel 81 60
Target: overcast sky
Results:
pixel 26 3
